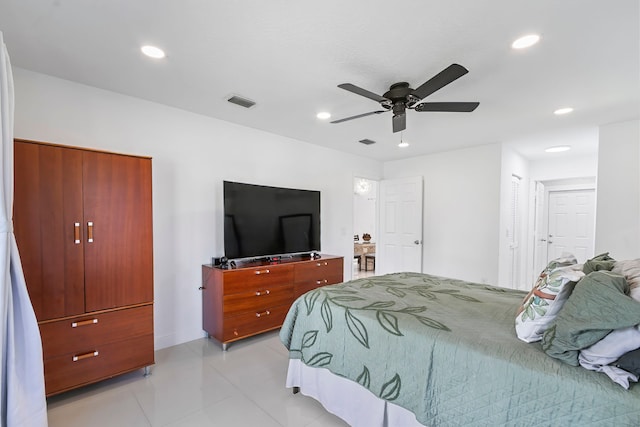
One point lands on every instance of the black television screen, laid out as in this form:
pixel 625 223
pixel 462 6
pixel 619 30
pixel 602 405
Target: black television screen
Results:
pixel 269 221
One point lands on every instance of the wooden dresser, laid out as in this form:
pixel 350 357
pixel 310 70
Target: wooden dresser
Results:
pixel 83 224
pixel 255 296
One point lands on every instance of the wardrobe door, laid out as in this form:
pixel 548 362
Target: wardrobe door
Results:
pixel 118 226
pixel 47 225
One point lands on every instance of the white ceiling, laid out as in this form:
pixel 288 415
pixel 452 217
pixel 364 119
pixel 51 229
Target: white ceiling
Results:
pixel 290 55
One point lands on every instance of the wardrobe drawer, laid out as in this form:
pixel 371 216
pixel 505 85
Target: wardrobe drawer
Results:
pixel 256 301
pixel 244 325
pixel 319 269
pixel 71 334
pixel 94 363
pixel 254 279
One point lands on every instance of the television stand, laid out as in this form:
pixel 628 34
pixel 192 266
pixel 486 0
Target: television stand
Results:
pixel 255 296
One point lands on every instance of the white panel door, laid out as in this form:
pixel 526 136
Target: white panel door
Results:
pixel 399 247
pixel 571 224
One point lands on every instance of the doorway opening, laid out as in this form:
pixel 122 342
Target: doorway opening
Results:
pixel 564 220
pixel 365 226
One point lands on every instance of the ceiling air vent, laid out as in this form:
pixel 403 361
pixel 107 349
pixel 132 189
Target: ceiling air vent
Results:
pixel 243 102
pixel 367 141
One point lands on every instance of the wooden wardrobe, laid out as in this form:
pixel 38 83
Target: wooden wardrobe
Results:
pixel 83 224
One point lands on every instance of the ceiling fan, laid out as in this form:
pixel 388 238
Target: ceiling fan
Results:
pixel 400 96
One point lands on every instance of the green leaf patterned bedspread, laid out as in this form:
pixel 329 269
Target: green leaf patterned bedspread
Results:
pixel 447 351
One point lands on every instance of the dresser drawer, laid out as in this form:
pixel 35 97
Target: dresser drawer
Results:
pixel 67 336
pixel 319 270
pixel 94 363
pixel 257 301
pixel 244 325
pixel 304 287
pixel 257 278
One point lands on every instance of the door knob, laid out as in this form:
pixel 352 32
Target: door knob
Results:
pixel 417 242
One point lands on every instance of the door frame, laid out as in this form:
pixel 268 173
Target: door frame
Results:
pixel 376 230
pixel 589 183
pixel 415 239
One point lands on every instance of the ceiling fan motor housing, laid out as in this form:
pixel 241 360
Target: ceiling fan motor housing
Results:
pixel 400 96
pixel 398 92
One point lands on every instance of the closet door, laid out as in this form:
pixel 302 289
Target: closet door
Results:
pixel 47 224
pixel 118 227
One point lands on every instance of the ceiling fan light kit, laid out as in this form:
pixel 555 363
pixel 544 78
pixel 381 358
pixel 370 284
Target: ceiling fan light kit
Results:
pixel 401 97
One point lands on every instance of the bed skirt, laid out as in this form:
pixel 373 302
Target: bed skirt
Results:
pixel 347 399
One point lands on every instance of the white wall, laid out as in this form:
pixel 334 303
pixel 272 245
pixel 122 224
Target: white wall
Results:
pixel 461 210
pixel 565 166
pixel 192 155
pixel 618 206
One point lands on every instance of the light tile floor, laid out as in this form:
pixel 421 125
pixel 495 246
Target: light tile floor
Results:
pixel 197 384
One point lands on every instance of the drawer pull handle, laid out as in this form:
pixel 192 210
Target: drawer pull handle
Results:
pixel 84 323
pixel 85 355
pixel 267 271
pixel 320 264
pixel 264 313
pixel 76 233
pixel 259 293
pixel 320 282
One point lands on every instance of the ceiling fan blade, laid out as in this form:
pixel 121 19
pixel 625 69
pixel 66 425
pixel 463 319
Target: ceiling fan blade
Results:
pixel 359 115
pixel 399 122
pixel 362 92
pixel 440 80
pixel 458 107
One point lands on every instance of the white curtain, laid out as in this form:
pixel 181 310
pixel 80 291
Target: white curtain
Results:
pixel 22 396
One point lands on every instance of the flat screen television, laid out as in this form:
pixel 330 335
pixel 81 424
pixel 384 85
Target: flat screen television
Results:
pixel 261 221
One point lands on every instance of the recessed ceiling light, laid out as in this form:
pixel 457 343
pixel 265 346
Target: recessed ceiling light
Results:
pixel 558 149
pixel 525 41
pixel 561 111
pixel 153 52
pixel 403 144
pixel 323 115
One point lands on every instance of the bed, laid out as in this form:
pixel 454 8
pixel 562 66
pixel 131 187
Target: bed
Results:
pixel 410 349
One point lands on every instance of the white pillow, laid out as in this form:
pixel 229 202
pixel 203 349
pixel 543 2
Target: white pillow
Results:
pixel 542 304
